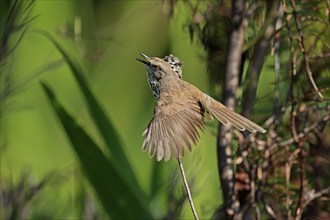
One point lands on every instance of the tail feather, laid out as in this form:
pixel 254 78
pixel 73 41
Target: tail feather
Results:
pixel 227 116
pixel 230 118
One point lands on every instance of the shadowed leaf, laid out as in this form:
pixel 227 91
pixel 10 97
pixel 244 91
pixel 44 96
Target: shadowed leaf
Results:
pixel 105 127
pixel 115 194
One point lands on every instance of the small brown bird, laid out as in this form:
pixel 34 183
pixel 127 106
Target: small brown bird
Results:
pixel 180 111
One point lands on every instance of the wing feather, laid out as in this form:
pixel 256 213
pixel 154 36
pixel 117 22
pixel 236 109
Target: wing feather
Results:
pixel 174 126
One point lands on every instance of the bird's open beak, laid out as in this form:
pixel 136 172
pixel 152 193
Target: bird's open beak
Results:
pixel 143 61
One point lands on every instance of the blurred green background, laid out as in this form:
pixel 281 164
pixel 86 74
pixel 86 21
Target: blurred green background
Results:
pixel 74 103
pixel 105 37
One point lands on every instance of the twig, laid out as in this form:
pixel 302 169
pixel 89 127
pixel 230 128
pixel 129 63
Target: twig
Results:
pixel 287 24
pixel 319 56
pixel 302 49
pixel 291 98
pixel 300 135
pixel 277 66
pixel 301 200
pixel 314 195
pixel 187 189
pixel 288 166
pixel 328 6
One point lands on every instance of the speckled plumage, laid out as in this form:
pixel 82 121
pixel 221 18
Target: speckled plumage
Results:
pixel 175 63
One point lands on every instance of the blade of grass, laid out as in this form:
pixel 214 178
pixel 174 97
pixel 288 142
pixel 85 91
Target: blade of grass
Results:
pixel 105 127
pixel 115 194
pixel 156 180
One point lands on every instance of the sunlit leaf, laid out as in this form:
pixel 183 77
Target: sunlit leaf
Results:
pixel 105 127
pixel 115 194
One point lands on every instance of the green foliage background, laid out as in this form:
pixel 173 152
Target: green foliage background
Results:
pixel 113 34
pixel 76 103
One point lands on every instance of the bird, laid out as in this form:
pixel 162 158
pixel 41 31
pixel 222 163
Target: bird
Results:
pixel 181 110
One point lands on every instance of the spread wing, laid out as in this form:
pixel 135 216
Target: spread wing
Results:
pixel 175 124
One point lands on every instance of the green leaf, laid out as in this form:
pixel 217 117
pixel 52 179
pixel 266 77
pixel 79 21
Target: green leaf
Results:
pixel 115 194
pixel 156 180
pixel 105 127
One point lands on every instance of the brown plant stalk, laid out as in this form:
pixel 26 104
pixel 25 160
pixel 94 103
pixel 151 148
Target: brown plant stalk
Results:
pixel 302 49
pixel 186 186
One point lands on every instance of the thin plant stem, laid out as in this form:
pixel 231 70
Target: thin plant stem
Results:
pixel 186 186
pixel 303 50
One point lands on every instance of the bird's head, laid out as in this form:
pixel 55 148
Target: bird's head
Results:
pixel 156 67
